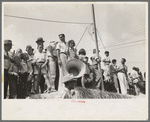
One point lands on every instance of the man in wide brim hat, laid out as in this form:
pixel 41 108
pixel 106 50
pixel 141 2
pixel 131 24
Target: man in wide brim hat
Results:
pixel 70 81
pixel 7 64
pixel 7 42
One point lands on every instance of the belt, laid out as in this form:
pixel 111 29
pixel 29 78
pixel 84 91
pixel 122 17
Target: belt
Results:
pixel 63 53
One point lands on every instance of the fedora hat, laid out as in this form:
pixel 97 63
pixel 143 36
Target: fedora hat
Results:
pixel 7 42
pixel 40 39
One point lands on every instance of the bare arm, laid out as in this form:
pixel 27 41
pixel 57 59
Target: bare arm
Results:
pixel 49 48
pixel 58 56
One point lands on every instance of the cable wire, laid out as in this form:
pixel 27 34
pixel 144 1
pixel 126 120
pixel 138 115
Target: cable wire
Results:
pixel 45 20
pixel 120 47
pixel 81 37
pixel 101 39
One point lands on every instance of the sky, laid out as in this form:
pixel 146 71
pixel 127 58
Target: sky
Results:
pixel 121 27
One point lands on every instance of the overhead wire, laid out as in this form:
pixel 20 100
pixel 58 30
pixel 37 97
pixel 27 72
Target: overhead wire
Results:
pixel 126 43
pixel 45 20
pixel 120 47
pixel 120 42
pixel 100 39
pixel 82 36
pixel 125 38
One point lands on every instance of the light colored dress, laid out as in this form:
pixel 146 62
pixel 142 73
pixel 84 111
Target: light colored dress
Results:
pixel 122 79
pixel 62 70
pixel 72 53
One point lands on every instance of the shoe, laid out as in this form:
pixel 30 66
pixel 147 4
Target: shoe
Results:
pixel 53 90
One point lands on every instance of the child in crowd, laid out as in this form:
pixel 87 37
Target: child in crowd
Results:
pixel 30 79
pixel 82 54
pixel 70 50
pixel 24 72
pixel 40 68
pixel 14 77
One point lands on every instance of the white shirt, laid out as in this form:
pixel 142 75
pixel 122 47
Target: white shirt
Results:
pixel 106 59
pixel 134 74
pixel 53 47
pixel 40 56
pixel 61 46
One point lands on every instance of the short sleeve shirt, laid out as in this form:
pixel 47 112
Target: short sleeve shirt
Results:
pixel 61 46
pixel 134 74
pixel 40 56
pixel 106 59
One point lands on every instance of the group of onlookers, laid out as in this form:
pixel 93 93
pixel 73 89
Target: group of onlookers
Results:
pixel 43 70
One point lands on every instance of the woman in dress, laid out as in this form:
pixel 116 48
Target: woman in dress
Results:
pixel 70 50
pixel 122 76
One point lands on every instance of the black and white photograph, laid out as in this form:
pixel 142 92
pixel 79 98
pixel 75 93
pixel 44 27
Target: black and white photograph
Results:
pixel 87 55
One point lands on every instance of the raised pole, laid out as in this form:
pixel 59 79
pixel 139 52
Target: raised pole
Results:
pixel 97 50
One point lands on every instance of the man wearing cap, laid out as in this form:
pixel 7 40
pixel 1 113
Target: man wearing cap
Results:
pixel 7 64
pixel 106 61
pixel 39 41
pixel 70 82
pixel 62 59
pixel 52 56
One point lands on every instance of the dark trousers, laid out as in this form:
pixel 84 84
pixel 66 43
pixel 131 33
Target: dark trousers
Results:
pixel 21 86
pixel 13 86
pixel 57 77
pixel 6 82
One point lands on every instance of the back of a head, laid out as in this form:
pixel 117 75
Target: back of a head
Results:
pixel 82 51
pixel 24 56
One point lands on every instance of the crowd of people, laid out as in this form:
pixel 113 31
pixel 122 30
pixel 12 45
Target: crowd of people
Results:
pixel 43 70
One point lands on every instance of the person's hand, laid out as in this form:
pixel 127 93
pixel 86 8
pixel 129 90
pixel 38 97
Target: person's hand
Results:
pixel 59 62
pixel 98 60
pixel 43 66
pixel 14 73
pixel 72 92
